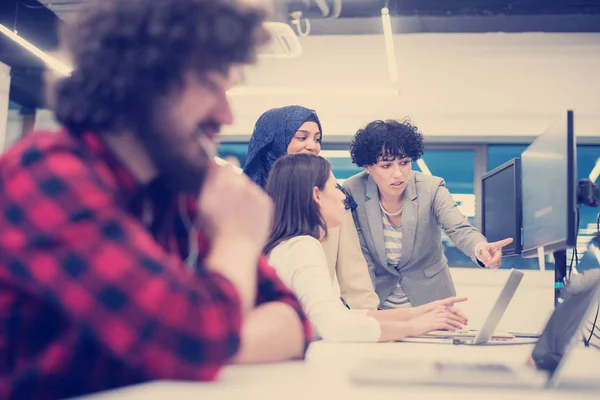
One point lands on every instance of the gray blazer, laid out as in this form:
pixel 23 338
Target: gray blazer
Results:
pixel 423 267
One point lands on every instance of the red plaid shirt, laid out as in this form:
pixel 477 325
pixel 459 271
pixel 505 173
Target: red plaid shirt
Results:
pixel 91 296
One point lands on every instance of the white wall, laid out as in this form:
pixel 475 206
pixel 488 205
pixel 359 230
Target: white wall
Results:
pixel 14 127
pixel 4 98
pixel 450 84
pixel 469 85
pixel 44 120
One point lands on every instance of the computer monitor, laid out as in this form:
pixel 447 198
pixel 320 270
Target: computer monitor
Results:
pixel 549 190
pixel 501 205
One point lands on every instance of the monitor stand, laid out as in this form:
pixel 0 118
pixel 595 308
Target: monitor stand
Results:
pixel 560 273
pixel 541 258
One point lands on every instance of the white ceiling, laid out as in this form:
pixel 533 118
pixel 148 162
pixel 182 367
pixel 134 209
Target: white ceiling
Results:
pixel 450 84
pixel 469 84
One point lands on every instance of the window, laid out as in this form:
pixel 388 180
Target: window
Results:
pixel 234 151
pixel 499 154
pixel 461 167
pixel 341 164
pixel 457 168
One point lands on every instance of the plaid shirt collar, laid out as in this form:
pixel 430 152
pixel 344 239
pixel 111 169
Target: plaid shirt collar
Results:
pixel 153 203
pixel 128 184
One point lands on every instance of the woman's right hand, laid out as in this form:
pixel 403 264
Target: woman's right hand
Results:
pixel 436 319
pixel 447 302
pixel 443 304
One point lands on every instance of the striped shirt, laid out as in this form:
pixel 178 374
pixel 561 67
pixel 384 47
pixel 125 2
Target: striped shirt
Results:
pixel 392 236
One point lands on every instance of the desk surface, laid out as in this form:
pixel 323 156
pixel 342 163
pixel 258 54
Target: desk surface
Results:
pixel 325 374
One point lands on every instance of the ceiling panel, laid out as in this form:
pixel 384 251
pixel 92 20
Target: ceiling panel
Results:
pixel 415 16
pixel 358 17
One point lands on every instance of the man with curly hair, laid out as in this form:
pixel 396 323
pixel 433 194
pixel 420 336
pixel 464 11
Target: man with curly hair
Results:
pixel 400 217
pixel 126 254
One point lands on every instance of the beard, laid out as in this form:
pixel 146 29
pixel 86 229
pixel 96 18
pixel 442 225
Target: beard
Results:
pixel 167 150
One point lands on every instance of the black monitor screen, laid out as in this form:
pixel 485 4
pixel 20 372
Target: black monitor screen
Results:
pixel 549 190
pixel 501 189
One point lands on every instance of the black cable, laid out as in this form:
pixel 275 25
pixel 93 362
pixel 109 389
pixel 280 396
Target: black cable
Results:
pixel 591 325
pixel 587 343
pixel 574 255
pixel 592 334
pixel 590 329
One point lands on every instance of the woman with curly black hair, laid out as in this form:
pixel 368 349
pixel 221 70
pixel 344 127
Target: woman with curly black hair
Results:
pixel 400 217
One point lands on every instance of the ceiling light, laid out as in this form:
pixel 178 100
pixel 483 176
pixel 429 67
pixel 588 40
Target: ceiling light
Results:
pixel 389 44
pixel 53 63
pixel 284 44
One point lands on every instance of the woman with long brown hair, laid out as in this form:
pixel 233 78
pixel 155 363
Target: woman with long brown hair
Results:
pixel 307 203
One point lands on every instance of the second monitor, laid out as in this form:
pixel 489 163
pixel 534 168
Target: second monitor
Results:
pixel 501 205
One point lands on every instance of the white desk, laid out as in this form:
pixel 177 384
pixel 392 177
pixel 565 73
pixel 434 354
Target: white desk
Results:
pixel 324 375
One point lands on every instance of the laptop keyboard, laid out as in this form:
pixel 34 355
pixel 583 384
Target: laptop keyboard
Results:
pixel 470 332
pixel 473 368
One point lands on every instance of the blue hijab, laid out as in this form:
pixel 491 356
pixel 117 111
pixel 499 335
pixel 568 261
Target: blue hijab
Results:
pixel 271 136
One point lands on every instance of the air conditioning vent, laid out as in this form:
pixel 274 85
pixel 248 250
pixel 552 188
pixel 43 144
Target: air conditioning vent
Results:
pixel 283 44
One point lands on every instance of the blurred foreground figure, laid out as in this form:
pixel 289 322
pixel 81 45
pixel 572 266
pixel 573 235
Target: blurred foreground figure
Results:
pixel 126 254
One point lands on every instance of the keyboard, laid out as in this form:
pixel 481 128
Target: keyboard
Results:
pixel 473 368
pixel 467 333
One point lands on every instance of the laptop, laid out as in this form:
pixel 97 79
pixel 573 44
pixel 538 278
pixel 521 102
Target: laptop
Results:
pixel 559 336
pixel 488 330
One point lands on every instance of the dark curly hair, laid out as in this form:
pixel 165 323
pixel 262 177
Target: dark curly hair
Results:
pixel 126 55
pixel 389 140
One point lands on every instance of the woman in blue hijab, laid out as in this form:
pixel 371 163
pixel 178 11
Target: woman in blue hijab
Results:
pixel 273 133
pixel 297 129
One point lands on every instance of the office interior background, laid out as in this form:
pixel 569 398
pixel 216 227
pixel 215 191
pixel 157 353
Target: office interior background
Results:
pixel 480 78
